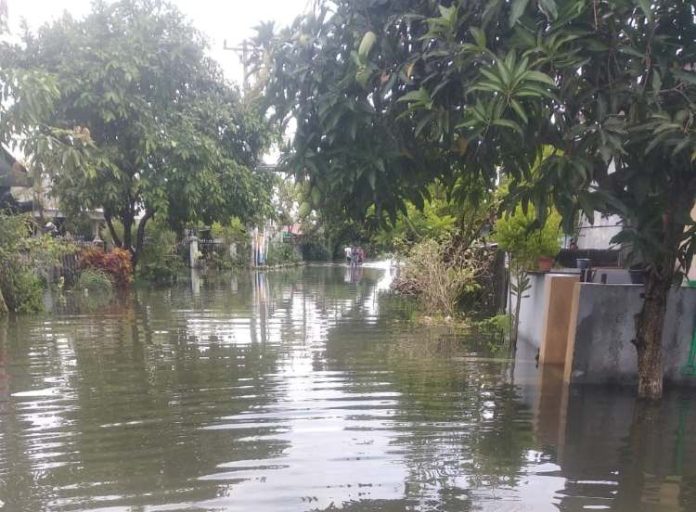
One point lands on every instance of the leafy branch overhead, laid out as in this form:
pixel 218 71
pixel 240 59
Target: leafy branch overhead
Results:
pixel 421 90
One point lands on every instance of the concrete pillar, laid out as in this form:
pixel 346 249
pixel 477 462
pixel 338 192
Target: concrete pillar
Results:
pixel 195 282
pixel 572 329
pixel 556 323
pixel 193 252
pixel 95 229
pixel 254 240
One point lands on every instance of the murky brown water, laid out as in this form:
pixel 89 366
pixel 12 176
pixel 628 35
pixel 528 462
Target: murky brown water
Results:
pixel 305 390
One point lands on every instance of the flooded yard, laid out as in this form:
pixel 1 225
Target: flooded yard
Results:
pixel 307 389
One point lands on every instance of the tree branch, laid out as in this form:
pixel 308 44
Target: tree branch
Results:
pixel 112 231
pixel 140 236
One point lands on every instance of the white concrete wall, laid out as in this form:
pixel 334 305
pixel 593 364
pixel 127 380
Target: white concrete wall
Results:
pixel 532 311
pixel 598 235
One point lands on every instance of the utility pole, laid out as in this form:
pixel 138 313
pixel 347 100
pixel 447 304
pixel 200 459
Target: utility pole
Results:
pixel 244 54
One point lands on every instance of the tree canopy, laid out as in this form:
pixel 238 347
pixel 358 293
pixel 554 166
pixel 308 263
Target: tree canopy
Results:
pixel 388 96
pixel 151 126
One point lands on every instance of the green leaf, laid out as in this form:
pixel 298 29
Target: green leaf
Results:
pixel 425 120
pixel 419 96
pixel 656 81
pixel 549 8
pixel 503 70
pixel 539 77
pixel 479 36
pixel 645 6
pixel 316 196
pixel 685 76
pixel 681 146
pixel 363 75
pixel 368 41
pixel 506 123
pixel 520 111
pixel 518 7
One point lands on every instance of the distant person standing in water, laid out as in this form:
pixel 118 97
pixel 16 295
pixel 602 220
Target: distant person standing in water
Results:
pixel 359 255
pixel 349 254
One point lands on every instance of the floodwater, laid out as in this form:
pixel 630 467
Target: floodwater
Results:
pixel 308 389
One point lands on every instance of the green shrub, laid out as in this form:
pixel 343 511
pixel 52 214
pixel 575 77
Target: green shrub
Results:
pixel 26 262
pixel 518 234
pixel 437 281
pixel 500 324
pixel 94 280
pixel 280 253
pixel 232 232
pixel 221 259
pixel 23 291
pixel 235 233
pixel 315 251
pixel 159 261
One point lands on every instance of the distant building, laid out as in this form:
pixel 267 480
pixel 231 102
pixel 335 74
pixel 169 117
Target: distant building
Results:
pixel 20 194
pixel 13 179
pixel 599 233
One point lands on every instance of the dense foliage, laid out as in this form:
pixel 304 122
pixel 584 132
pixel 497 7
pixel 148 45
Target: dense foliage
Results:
pixel 150 125
pixel 348 145
pixel 94 280
pixel 280 253
pixel 26 262
pixel 518 233
pixel 438 283
pixel 388 95
pixel 160 261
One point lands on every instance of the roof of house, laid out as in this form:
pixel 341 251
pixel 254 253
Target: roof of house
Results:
pixel 12 172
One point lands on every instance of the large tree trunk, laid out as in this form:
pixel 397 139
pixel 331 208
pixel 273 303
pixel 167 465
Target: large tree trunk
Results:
pixel 660 278
pixel 140 236
pixel 127 230
pixel 649 325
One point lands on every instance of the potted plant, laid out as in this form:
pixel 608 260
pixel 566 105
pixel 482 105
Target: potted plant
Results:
pixel 545 263
pixel 545 242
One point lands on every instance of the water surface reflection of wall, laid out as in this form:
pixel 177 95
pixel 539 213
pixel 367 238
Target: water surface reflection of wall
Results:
pixel 615 451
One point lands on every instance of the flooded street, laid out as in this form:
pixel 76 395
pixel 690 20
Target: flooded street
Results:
pixel 307 389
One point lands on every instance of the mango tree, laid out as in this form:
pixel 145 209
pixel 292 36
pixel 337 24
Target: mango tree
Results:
pixel 387 96
pixel 152 126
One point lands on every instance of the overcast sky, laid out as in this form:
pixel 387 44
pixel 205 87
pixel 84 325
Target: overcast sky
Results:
pixel 220 20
